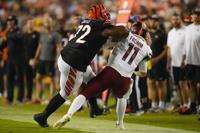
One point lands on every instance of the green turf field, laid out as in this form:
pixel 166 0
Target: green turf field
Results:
pixel 18 119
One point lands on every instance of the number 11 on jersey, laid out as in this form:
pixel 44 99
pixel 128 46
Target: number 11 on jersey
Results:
pixel 128 51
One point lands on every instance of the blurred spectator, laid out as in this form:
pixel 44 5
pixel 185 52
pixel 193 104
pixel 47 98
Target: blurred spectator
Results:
pixel 175 43
pixel 192 57
pixel 157 73
pixel 31 41
pixel 62 10
pixel 49 46
pixel 1 76
pixel 3 56
pixel 15 61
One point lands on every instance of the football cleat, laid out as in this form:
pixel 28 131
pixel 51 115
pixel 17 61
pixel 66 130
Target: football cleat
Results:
pixel 41 120
pixel 60 123
pixel 120 126
pixel 98 112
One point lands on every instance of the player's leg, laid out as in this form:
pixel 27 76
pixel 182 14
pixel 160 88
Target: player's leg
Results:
pixel 95 110
pixel 58 99
pixel 123 90
pixel 78 102
pixel 120 110
pixel 94 86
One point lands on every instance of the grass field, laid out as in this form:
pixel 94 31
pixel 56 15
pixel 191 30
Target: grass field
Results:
pixel 18 119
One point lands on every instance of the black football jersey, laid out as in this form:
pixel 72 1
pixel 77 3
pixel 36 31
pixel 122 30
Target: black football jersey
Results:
pixel 87 41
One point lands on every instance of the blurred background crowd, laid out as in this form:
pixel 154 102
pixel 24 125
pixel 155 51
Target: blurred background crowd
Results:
pixel 32 32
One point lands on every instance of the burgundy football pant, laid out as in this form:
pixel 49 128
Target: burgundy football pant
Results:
pixel 108 78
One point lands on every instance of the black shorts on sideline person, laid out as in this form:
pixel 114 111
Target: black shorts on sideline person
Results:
pixel 192 72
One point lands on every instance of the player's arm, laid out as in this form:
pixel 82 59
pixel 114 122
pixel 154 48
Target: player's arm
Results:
pixel 148 38
pixel 142 69
pixel 116 32
pixel 156 59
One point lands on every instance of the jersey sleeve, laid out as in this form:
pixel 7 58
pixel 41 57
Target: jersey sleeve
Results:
pixel 100 25
pixel 109 43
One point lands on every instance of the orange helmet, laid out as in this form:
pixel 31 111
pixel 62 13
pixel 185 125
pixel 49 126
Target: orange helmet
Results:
pixel 98 11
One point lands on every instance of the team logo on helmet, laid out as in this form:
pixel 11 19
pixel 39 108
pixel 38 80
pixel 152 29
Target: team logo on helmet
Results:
pixel 99 12
pixel 138 28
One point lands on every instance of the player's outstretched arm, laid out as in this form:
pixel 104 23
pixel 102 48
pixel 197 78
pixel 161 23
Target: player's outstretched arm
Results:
pixel 116 32
pixel 140 74
pixel 142 69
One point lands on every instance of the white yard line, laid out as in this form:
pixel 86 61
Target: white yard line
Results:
pixel 88 124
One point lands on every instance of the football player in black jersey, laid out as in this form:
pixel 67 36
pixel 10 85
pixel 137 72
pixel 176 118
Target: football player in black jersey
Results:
pixel 78 54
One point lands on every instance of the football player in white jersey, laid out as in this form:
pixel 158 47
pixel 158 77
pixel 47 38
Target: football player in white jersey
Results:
pixel 126 56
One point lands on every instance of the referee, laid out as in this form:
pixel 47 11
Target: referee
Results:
pixel 15 61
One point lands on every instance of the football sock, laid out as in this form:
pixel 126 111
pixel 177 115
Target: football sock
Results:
pixel 76 104
pixel 121 107
pixel 161 104
pixel 93 104
pixel 53 105
pixel 154 105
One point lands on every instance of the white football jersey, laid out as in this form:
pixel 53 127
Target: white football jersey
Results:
pixel 128 54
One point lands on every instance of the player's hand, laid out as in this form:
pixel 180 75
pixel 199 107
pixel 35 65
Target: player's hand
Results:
pixel 183 63
pixel 140 74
